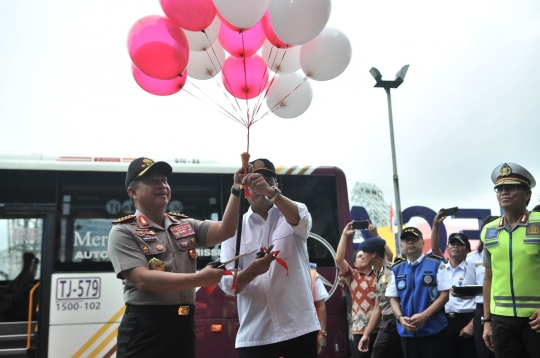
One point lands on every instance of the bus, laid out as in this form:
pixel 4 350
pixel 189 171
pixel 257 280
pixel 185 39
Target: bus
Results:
pixel 59 296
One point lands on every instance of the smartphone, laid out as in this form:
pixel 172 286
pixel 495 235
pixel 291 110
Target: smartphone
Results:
pixel 450 211
pixel 360 225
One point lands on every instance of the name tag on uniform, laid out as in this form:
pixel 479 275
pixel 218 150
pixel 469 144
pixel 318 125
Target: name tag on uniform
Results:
pixel 182 230
pixel 150 238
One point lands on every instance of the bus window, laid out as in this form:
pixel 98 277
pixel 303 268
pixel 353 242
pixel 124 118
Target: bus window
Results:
pixel 17 236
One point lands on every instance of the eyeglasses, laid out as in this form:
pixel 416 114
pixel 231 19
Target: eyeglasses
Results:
pixel 155 181
pixel 411 239
pixel 507 188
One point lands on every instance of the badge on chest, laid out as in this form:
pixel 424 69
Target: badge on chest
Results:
pixel 182 230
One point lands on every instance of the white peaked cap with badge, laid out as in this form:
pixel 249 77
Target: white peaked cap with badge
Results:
pixel 512 174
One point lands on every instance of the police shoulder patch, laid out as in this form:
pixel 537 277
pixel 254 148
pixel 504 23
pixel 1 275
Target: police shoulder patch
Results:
pixel 434 258
pixel 124 219
pixel 442 267
pixel 396 264
pixel 178 215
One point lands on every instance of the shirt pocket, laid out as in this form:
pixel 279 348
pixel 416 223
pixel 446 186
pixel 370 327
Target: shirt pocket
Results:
pixel 186 243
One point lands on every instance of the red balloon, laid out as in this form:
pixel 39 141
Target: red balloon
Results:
pixel 244 43
pixel 158 47
pixel 270 34
pixel 245 78
pixel 158 87
pixel 192 15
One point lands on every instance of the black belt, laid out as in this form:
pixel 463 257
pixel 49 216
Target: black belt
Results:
pixel 177 310
pixel 460 315
pixel 388 316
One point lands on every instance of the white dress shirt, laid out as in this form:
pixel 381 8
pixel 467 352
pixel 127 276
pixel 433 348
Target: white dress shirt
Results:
pixel 443 282
pixel 475 267
pixel 458 277
pixel 273 307
pixel 320 291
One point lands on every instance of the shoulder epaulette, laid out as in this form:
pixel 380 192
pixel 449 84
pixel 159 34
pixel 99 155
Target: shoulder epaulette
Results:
pixel 434 258
pixel 396 264
pixel 178 215
pixel 123 219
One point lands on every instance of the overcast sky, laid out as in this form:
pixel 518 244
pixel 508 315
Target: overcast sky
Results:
pixel 469 101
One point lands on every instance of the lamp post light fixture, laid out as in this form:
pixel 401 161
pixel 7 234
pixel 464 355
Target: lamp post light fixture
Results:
pixel 400 76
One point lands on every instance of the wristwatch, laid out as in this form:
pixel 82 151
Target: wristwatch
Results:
pixel 484 320
pixel 276 194
pixel 234 191
pixel 398 317
pixel 323 332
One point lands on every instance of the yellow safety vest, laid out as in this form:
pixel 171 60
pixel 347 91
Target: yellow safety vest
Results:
pixel 515 264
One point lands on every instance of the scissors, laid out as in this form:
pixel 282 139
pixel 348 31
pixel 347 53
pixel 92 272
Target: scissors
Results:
pixel 221 265
pixel 262 253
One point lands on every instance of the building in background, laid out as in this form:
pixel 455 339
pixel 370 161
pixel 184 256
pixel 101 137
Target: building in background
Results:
pixel 371 198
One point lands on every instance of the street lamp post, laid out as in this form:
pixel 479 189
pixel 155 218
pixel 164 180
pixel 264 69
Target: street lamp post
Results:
pixel 400 76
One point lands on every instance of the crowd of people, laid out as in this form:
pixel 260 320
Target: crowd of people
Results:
pixel 422 305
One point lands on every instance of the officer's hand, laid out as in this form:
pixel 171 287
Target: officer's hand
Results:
pixel 418 319
pixel 467 331
pixel 321 343
pixel 262 264
pixel 239 176
pixel 406 323
pixel 363 345
pixel 488 336
pixel 535 321
pixel 209 276
pixel 439 218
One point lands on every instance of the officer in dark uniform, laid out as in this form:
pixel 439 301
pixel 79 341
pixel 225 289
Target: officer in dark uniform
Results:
pixel 387 344
pixel 153 253
pixel 418 291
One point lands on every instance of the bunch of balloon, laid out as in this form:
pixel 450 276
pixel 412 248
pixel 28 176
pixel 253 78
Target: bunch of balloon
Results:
pixel 265 51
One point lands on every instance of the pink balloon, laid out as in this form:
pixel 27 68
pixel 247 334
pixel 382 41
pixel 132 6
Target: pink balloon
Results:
pixel 158 47
pixel 245 78
pixel 270 34
pixel 192 15
pixel 243 44
pixel 158 87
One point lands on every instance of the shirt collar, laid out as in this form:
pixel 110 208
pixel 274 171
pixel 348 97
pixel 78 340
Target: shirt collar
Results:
pixel 523 221
pixel 417 262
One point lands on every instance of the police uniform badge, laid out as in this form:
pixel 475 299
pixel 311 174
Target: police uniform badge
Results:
pixel 428 279
pixel 145 249
pixel 505 170
pixel 156 264
pixel 491 233
pixel 401 284
pixel 143 220
pixel 383 278
pixel 193 254
pixel 533 229
pixel 182 230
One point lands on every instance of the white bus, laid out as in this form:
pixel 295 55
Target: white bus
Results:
pixel 57 213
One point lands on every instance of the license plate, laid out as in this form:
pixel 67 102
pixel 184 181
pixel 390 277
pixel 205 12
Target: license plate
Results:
pixel 78 288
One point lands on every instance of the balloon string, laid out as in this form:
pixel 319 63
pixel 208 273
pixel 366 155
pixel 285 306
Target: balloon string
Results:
pixel 273 109
pixel 271 81
pixel 227 80
pixel 227 114
pixel 258 104
pixel 224 91
pixel 245 78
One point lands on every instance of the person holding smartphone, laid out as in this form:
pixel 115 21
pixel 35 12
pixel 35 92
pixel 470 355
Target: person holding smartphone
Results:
pixel 360 280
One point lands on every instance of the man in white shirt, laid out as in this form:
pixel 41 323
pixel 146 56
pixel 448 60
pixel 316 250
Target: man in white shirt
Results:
pixel 460 310
pixel 275 302
pixel 319 295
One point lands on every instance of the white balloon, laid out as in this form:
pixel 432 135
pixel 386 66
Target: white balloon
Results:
pixel 299 21
pixel 285 99
pixel 242 13
pixel 198 41
pixel 204 65
pixel 326 56
pixel 274 58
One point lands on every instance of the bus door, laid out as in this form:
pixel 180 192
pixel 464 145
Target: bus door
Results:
pixel 25 232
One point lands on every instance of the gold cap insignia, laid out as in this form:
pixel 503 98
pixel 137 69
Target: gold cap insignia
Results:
pixel 505 170
pixel 533 230
pixel 146 162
